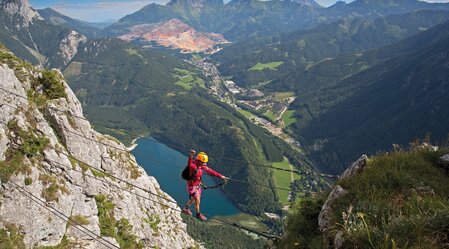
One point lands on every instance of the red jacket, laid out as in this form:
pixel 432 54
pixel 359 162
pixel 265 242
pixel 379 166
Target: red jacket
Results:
pixel 197 179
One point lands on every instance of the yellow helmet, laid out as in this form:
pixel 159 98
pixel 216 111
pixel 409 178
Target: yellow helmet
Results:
pixel 202 157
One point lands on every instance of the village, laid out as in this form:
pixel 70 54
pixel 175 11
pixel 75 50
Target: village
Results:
pixel 265 111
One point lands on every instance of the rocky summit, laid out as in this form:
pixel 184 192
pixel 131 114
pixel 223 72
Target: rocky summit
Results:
pixel 60 179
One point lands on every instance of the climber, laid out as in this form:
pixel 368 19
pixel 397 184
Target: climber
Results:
pixel 196 168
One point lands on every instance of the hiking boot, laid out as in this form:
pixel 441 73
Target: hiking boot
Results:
pixel 186 211
pixel 201 217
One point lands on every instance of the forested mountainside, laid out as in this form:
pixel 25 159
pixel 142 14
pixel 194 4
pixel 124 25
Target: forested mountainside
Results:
pixel 393 101
pixel 55 190
pixel 327 80
pixel 300 50
pixel 154 102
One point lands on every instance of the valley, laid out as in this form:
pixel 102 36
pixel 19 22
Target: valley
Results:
pixel 278 94
pixel 265 111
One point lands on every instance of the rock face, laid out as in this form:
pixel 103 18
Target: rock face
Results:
pixel 324 219
pixel 46 148
pixel 175 34
pixel 444 162
pixel 325 216
pixel 69 45
pixel 21 8
pixel 355 167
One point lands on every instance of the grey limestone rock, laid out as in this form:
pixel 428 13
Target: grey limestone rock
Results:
pixel 355 168
pixel 444 162
pixel 325 221
pixel 324 218
pixel 58 177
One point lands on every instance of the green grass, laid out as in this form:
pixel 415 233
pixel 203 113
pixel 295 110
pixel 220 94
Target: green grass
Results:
pixel 188 80
pixel 11 166
pixel 121 230
pixel 282 179
pixel 245 113
pixel 400 200
pixel 279 96
pixel 270 115
pixel 181 72
pixel 246 220
pixel 270 65
pixel 79 220
pixel 11 237
pixel 288 118
pixel 132 51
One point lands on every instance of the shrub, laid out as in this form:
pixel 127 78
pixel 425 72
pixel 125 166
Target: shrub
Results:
pixel 10 237
pixel 120 230
pixel 28 181
pixel 12 165
pixel 78 220
pixel 52 85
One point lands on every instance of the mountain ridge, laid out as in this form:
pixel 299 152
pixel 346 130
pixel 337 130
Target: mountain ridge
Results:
pixel 82 27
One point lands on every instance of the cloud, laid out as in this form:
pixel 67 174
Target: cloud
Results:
pixel 101 10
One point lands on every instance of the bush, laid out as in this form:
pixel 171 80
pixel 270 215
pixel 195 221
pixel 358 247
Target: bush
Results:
pixel 28 181
pixel 302 225
pixel 10 237
pixel 120 230
pixel 52 85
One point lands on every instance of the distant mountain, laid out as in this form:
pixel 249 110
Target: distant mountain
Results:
pixel 174 34
pixel 239 20
pixel 236 20
pixel 30 37
pixel 376 8
pixel 401 96
pixel 82 27
pixel 311 3
pixel 301 50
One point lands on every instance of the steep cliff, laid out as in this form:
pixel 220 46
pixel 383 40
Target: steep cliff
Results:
pixel 51 194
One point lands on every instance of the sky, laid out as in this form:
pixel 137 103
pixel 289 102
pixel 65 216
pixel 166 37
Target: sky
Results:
pixel 97 11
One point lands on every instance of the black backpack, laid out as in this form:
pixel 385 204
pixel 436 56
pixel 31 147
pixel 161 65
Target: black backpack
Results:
pixel 186 174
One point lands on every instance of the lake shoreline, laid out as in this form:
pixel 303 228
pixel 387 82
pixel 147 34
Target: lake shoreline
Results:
pixel 133 145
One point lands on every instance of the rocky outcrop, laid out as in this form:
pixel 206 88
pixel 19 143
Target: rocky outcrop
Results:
pixel 325 218
pixel 21 8
pixel 175 34
pixel 355 168
pixel 69 45
pixel 444 162
pixel 47 148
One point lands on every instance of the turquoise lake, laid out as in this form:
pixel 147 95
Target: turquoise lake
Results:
pixel 166 165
